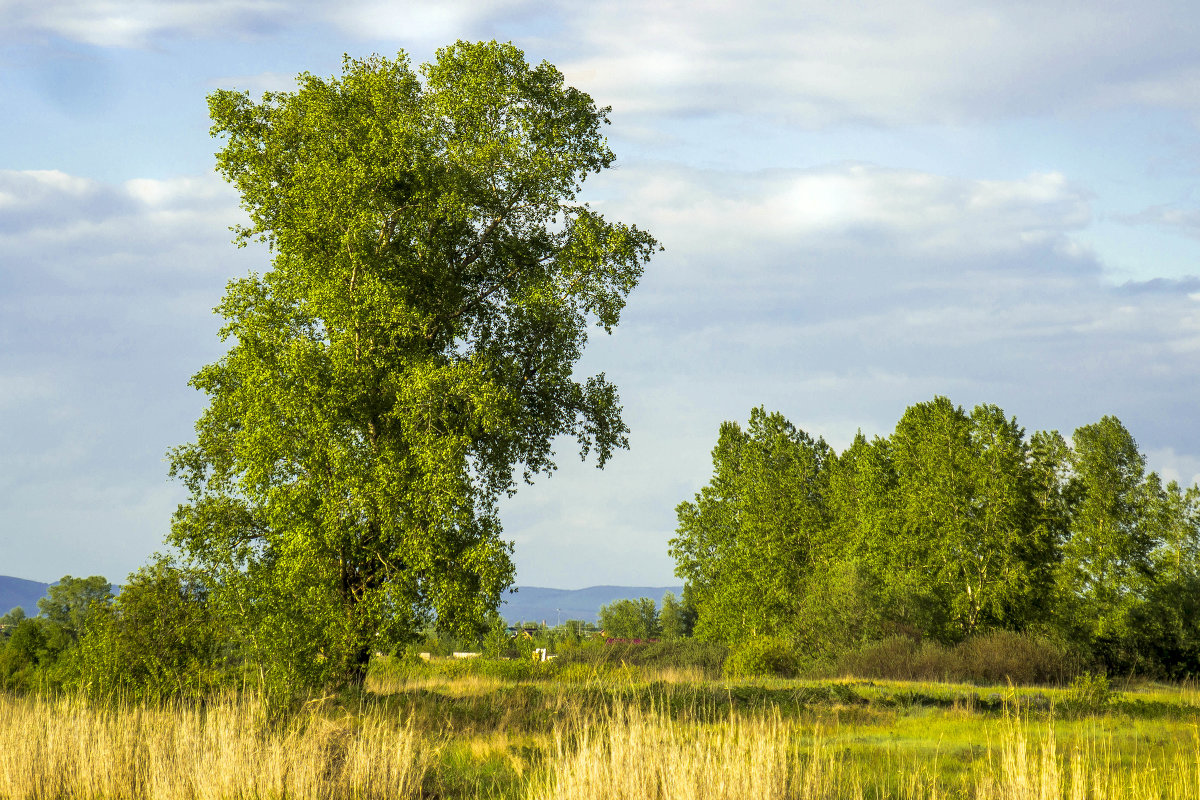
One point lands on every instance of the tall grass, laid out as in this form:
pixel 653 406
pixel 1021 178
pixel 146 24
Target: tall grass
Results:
pixel 225 749
pixel 643 747
pixel 639 755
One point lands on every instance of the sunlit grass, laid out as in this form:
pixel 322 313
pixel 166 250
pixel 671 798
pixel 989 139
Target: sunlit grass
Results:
pixel 638 735
pixel 226 748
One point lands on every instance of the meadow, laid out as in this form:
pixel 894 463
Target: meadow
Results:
pixel 453 731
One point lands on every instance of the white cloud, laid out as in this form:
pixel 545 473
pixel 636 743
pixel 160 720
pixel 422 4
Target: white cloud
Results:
pixel 839 296
pixel 815 63
pixel 1174 218
pixel 105 298
pixel 820 63
pixel 852 205
pixel 138 23
pixel 68 232
pixel 1173 466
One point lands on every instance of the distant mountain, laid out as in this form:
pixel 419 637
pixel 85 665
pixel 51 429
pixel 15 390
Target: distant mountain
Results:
pixel 538 604
pixel 528 604
pixel 20 592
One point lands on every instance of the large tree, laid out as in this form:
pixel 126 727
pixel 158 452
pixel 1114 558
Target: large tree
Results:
pixel 1106 555
pixel 749 542
pixel 410 352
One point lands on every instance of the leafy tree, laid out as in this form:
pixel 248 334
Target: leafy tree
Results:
pixel 26 650
pixel 954 525
pixel 675 618
pixel 68 604
pixel 967 507
pixel 1159 633
pixel 412 348
pixel 630 619
pixel 749 542
pixel 843 609
pixel 1105 557
pixel 161 637
pixel 932 456
pixel 9 622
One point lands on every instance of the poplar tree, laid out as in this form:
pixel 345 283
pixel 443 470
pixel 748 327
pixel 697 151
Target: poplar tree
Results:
pixel 410 353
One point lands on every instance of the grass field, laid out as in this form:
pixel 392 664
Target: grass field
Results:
pixel 622 734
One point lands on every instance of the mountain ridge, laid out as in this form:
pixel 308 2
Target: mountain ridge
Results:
pixel 526 604
pixel 20 592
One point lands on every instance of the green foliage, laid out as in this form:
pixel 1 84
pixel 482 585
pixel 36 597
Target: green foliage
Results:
pixel 27 649
pixel 409 354
pixel 1106 555
pixel 955 526
pixel 989 658
pixel 842 610
pixel 1090 692
pixel 748 542
pixel 676 618
pixel 679 654
pixel 160 638
pixel 68 604
pixel 1022 658
pixel 630 619
pixel 9 622
pixel 762 655
pixel 496 640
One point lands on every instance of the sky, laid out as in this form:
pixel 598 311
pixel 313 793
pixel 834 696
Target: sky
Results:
pixel 863 206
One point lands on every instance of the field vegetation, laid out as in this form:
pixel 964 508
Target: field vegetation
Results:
pixel 457 729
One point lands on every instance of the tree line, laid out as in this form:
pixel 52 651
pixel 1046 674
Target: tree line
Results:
pixel 956 524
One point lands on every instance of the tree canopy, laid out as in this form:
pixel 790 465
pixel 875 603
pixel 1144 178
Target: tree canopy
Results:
pixel 956 524
pixel 409 355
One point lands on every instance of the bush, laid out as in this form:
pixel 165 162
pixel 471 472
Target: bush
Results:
pixel 762 655
pixel 1090 692
pixel 994 657
pixel 892 658
pixel 1001 656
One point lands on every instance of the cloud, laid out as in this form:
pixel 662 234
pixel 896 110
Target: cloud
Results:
pixel 855 203
pixel 64 233
pixel 920 61
pixel 1173 466
pixel 813 64
pixel 840 295
pixel 139 23
pixel 1173 218
pixel 106 293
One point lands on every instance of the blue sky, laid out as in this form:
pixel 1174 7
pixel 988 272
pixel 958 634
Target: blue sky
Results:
pixel 863 205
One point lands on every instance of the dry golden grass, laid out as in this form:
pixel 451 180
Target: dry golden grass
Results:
pixel 1040 770
pixel 643 756
pixel 636 755
pixel 228 749
pixel 459 686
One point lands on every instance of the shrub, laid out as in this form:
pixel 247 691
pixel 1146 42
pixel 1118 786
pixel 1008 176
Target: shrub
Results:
pixel 890 658
pixel 683 654
pixel 1001 656
pixel 994 657
pixel 1090 692
pixel 762 655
